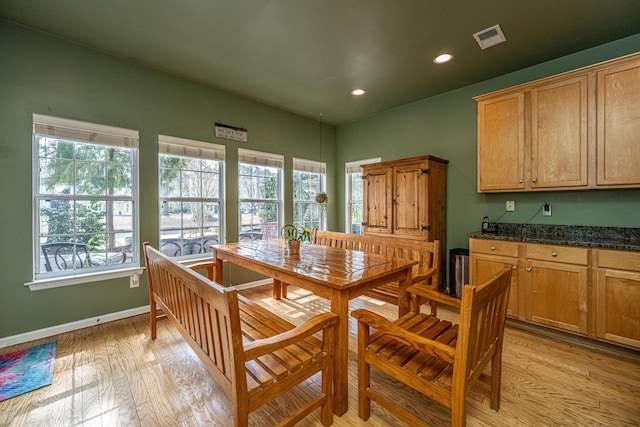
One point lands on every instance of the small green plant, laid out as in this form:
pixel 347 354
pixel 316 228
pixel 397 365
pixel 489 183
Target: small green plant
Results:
pixel 291 232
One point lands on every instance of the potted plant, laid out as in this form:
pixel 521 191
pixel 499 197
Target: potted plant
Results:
pixel 294 235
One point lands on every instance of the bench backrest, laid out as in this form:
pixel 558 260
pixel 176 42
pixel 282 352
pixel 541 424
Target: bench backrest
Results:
pixel 426 253
pixel 207 312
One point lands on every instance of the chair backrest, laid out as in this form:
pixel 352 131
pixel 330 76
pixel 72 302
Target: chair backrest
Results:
pixel 65 255
pixel 215 305
pixel 482 318
pixel 426 253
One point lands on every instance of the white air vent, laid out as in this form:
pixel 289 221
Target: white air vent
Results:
pixel 489 37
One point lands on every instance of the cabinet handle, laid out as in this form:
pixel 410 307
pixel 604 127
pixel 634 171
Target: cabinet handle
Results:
pixel 555 254
pixel 528 268
pixel 534 180
pixel 493 248
pixel 519 181
pixel 514 267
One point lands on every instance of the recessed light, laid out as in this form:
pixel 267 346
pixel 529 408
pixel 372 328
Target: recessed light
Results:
pixel 441 59
pixel 357 92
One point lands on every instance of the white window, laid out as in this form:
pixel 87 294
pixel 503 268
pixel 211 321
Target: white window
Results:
pixel 191 175
pixel 86 198
pixel 308 181
pixel 259 195
pixel 353 180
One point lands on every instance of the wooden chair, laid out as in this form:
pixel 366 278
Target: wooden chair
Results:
pixel 433 356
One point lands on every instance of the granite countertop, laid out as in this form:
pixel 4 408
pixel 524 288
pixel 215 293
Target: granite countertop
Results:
pixel 593 237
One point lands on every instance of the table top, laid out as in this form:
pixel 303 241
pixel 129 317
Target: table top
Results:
pixel 337 268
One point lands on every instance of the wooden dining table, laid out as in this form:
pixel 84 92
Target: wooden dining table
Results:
pixel 337 275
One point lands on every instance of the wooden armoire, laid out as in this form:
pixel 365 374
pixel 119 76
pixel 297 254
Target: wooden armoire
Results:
pixel 407 198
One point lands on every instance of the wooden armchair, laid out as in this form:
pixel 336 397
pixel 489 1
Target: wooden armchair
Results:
pixel 434 357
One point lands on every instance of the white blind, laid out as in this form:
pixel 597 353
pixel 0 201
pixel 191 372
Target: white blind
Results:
pixel 73 130
pixel 259 158
pixel 175 146
pixel 355 167
pixel 309 166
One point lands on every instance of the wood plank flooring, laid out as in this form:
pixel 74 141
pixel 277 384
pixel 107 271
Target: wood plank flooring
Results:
pixel 114 375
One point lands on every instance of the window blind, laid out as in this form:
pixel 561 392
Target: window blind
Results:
pixel 175 146
pixel 259 158
pixel 72 130
pixel 309 166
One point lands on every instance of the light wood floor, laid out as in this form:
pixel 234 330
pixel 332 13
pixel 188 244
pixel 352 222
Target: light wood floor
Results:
pixel 114 375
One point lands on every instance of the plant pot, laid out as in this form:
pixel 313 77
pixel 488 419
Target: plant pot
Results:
pixel 293 246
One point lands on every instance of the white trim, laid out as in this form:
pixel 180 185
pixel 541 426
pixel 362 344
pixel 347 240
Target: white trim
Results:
pixel 79 279
pixel 72 326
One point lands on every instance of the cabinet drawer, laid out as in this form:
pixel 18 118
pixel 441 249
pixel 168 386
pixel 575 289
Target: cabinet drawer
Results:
pixel 622 260
pixel 494 247
pixel 556 253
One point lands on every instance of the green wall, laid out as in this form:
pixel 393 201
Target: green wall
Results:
pixel 46 75
pixel 446 126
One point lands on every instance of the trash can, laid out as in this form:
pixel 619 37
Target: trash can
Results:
pixel 458 271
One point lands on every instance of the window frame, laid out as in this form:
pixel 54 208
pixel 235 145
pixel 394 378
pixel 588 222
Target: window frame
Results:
pixel 310 166
pixel 196 150
pixel 351 169
pixel 97 135
pixel 258 158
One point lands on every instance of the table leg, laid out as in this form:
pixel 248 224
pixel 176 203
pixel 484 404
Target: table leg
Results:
pixel 277 289
pixel 218 262
pixel 340 306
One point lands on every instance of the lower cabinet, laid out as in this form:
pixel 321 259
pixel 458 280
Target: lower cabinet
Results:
pixel 555 292
pixel 487 257
pixel 617 297
pixel 589 292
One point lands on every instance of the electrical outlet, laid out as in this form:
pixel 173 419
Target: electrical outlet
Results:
pixel 511 205
pixel 546 209
pixel 134 281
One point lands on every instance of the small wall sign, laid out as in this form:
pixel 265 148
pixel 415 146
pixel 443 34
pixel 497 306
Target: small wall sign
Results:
pixel 231 132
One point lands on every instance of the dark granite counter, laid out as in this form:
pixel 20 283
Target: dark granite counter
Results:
pixel 594 237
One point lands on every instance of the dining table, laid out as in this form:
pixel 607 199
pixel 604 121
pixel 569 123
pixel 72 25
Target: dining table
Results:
pixel 337 275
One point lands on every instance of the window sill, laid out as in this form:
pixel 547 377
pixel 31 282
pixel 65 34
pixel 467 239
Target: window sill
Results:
pixel 78 279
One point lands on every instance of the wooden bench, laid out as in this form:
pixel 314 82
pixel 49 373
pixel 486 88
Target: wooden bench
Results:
pixel 273 355
pixel 425 273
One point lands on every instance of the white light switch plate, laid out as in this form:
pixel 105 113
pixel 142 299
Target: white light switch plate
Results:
pixel 511 205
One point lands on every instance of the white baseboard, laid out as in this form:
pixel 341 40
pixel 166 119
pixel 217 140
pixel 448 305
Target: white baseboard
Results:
pixel 85 323
pixel 72 326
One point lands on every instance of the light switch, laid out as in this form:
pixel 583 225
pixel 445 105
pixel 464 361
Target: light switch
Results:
pixel 511 205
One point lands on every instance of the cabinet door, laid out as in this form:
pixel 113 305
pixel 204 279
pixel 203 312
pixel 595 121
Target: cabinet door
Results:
pixel 377 200
pixel 617 309
pixel 556 295
pixel 501 143
pixel 559 134
pixel 618 135
pixel 410 200
pixel 483 266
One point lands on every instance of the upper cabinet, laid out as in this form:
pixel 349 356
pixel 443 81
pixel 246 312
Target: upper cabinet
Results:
pixel 578 130
pixel 501 140
pixel 619 125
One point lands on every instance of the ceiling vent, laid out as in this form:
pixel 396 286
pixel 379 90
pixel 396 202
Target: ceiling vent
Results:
pixel 489 37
